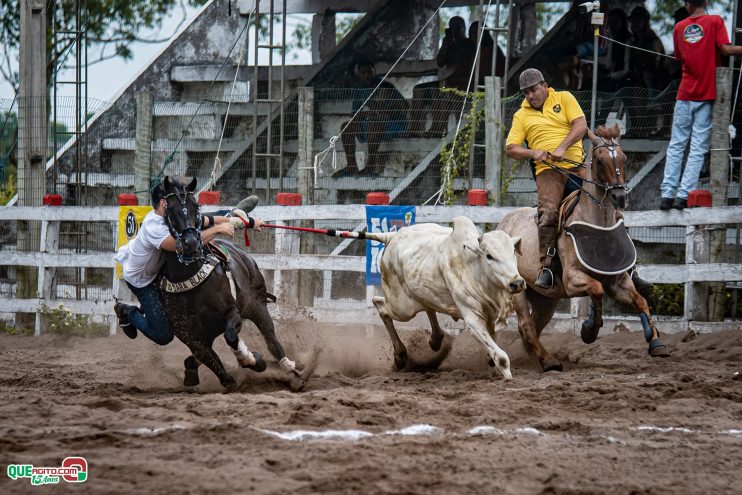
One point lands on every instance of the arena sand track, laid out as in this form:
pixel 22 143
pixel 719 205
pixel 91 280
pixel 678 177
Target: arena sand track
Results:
pixel 615 421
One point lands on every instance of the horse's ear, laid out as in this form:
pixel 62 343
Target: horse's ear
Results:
pixel 191 185
pixel 616 130
pixel 593 138
pixel 166 182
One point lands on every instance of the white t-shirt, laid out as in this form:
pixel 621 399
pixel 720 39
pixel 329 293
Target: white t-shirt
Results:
pixel 141 257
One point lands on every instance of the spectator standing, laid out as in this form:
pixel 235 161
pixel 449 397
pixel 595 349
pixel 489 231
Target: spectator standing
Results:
pixel 647 69
pixel 455 60
pixel 614 65
pixel 700 41
pixel 382 118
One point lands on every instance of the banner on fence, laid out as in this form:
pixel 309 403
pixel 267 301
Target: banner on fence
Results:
pixel 383 219
pixel 130 219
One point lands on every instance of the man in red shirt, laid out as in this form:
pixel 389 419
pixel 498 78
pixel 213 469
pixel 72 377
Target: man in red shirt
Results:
pixel 700 41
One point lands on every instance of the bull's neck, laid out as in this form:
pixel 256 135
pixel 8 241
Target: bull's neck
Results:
pixel 175 271
pixel 587 210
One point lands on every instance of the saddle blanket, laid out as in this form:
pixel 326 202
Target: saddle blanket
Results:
pixel 604 250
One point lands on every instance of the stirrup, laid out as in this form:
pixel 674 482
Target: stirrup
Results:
pixel 545 284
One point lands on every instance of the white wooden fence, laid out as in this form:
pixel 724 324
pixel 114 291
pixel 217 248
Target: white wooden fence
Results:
pixel 287 255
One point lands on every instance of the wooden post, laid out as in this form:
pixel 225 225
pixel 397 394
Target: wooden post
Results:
pixel 323 35
pixel 720 145
pixel 307 279
pixel 33 123
pixel 143 145
pixel 492 139
pixel 47 281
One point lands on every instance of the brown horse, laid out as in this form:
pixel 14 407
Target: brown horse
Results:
pixel 602 196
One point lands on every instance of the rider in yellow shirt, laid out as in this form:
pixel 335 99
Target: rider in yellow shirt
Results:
pixel 553 125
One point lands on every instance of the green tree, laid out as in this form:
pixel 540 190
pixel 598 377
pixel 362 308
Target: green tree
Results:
pixel 112 26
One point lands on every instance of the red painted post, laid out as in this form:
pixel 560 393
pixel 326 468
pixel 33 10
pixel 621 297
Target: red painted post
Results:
pixel 127 200
pixel 288 199
pixel 699 198
pixel 477 197
pixel 377 198
pixel 52 200
pixel 209 198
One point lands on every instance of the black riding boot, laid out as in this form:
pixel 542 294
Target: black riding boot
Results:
pixel 546 234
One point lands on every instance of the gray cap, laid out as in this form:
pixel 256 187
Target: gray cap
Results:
pixel 530 77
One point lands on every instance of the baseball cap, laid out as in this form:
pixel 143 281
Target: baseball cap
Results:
pixel 530 77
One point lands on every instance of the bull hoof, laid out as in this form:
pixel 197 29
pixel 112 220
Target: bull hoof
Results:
pixel 400 361
pixel 588 333
pixel 259 365
pixel 552 365
pixel 435 344
pixel 658 349
pixel 191 378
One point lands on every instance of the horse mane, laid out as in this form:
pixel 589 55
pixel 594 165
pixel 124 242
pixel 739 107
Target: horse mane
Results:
pixel 613 132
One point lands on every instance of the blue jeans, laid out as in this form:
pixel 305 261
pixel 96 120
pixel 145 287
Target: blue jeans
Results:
pixel 150 319
pixel 691 120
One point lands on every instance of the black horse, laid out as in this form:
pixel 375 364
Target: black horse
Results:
pixel 208 291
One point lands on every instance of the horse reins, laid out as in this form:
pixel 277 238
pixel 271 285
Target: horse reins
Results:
pixel 606 187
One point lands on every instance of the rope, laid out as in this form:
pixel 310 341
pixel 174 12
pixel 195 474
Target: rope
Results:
pixel 170 157
pixel 217 162
pixel 334 139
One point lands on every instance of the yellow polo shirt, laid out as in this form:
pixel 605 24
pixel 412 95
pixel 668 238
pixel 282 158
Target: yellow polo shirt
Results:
pixel 545 130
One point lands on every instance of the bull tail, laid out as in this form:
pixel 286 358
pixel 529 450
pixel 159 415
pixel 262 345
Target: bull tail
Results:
pixel 383 237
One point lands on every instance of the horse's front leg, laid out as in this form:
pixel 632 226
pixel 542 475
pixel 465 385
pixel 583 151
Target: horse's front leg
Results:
pixel 262 319
pixel 245 357
pixel 529 334
pixel 578 282
pixel 623 291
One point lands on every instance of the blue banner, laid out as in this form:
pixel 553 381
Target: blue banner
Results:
pixel 383 219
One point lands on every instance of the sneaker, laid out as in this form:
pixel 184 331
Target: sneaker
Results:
pixel 665 204
pixel 545 279
pixel 639 283
pixel 680 203
pixel 248 204
pixel 122 312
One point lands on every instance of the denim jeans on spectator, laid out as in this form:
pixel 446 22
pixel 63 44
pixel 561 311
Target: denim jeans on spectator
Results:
pixel 150 319
pixel 691 119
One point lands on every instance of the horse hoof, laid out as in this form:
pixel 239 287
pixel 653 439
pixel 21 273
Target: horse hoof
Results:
pixel 191 378
pixel 259 365
pixel 658 349
pixel 230 385
pixel 435 345
pixel 552 365
pixel 296 383
pixel 588 333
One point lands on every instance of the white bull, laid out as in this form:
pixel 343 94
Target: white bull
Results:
pixel 458 272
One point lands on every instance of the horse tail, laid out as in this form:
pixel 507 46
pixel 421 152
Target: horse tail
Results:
pixel 383 237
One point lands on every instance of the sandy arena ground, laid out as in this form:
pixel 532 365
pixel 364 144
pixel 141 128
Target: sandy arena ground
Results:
pixel 616 421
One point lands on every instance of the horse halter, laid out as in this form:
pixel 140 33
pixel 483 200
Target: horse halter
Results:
pixel 611 147
pixel 183 198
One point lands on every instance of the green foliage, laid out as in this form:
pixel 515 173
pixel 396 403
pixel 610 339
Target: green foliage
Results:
pixel 115 24
pixel 455 156
pixel 7 329
pixel 60 320
pixel 667 299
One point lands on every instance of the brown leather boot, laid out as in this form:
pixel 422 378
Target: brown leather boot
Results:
pixel 546 234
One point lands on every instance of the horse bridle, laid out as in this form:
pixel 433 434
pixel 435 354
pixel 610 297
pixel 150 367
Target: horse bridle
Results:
pixel 183 198
pixel 605 186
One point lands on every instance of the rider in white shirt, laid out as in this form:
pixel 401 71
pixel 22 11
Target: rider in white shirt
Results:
pixel 142 258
